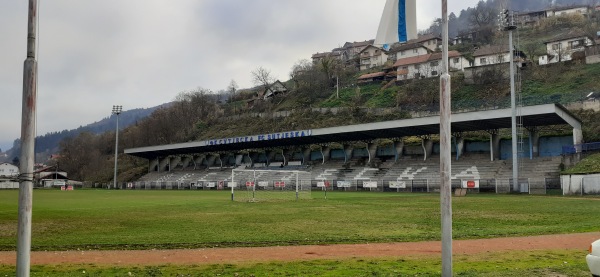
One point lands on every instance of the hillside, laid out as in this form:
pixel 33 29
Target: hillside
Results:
pixel 312 101
pixel 48 144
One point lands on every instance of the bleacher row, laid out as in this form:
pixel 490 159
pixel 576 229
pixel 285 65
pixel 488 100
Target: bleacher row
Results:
pixel 420 175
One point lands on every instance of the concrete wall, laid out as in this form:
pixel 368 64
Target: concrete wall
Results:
pixel 9 185
pixel 592 59
pixel 552 146
pixel 573 184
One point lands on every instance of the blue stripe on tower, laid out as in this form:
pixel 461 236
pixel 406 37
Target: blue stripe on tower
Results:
pixel 402 33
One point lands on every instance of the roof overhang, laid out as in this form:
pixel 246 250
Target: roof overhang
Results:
pixel 540 115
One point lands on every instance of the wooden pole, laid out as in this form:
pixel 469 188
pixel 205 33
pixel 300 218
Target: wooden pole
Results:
pixel 27 159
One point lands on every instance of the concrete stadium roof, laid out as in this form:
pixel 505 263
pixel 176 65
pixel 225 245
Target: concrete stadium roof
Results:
pixel 540 115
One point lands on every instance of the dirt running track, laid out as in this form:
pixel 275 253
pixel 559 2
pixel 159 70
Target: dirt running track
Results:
pixel 295 253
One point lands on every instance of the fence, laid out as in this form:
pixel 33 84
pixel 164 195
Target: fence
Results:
pixel 538 186
pixel 593 146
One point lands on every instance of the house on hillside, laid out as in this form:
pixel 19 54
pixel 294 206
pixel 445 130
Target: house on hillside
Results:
pixel 8 176
pixel 496 54
pixel 532 18
pixel 560 11
pixel 402 51
pixel 335 54
pixel 428 65
pixel 561 47
pixel 431 41
pixel 372 77
pixel 354 48
pixel 274 89
pixel 372 56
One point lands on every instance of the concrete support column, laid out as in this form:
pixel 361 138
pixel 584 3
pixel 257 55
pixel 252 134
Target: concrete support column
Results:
pixel 326 152
pixel 534 143
pixel 239 159
pixel 270 156
pixel 153 165
pixel 198 161
pixel 399 149
pixel 186 161
pixel 494 145
pixel 210 160
pixel 220 159
pixel 288 155
pixel 460 145
pixel 163 164
pixel 248 159
pixel 372 150
pixel 306 156
pixel 348 150
pixel 427 145
pixel 174 162
pixel 577 139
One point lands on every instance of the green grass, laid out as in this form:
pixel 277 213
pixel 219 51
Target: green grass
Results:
pixel 588 165
pixel 521 263
pixel 104 219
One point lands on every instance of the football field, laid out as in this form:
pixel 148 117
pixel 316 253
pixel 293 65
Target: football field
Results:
pixel 145 220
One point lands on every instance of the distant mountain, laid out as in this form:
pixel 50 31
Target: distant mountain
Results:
pixel 47 144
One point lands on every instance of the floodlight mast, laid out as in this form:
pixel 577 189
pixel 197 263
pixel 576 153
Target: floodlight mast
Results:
pixel 508 23
pixel 116 110
pixel 27 147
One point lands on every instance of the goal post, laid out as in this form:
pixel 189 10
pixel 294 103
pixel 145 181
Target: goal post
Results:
pixel 269 185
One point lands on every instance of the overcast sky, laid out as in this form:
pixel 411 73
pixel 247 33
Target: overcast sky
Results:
pixel 141 53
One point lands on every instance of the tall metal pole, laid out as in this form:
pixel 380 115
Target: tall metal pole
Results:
pixel 27 158
pixel 513 104
pixel 116 110
pixel 445 151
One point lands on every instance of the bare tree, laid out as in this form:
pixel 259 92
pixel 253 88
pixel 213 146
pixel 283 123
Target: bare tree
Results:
pixel 232 89
pixel 262 77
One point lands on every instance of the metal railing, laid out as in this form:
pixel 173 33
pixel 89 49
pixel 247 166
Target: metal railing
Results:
pixel 585 147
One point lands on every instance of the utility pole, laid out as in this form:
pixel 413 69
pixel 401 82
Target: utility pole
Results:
pixel 27 159
pixel 445 151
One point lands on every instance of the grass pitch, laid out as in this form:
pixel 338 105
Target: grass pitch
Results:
pixel 110 219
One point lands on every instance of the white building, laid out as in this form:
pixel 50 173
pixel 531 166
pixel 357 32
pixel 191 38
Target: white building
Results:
pixel 562 47
pixel 429 65
pixel 8 176
pixel 403 51
pixel 372 56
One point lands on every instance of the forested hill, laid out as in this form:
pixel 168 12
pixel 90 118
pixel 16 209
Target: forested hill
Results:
pixel 47 144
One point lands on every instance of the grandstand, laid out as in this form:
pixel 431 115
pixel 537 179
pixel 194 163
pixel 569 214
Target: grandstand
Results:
pixel 394 167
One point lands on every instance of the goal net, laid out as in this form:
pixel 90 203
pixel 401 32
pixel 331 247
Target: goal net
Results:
pixel 269 185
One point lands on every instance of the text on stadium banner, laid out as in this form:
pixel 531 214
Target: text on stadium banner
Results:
pixel 280 184
pixel 369 184
pixel 397 184
pixel 274 136
pixel 470 184
pixel 232 184
pixel 344 184
pixel 263 184
pixel 323 184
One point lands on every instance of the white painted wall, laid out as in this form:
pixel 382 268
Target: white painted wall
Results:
pixel 492 59
pixel 573 184
pixel 566 48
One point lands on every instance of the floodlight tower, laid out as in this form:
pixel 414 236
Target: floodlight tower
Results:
pixel 508 23
pixel 116 110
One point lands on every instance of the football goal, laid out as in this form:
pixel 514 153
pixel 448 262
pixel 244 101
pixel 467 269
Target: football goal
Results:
pixel 269 185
